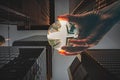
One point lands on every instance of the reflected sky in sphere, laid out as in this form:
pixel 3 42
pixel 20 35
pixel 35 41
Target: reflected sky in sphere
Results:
pixel 60 32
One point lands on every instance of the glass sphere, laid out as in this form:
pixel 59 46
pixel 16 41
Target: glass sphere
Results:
pixel 60 32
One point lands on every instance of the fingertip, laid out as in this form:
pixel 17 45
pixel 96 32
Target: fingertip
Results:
pixel 69 53
pixel 63 18
pixel 62 52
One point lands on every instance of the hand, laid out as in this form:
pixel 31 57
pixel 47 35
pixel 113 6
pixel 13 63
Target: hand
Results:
pixel 92 27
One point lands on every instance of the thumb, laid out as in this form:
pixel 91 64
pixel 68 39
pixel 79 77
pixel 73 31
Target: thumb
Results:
pixel 64 17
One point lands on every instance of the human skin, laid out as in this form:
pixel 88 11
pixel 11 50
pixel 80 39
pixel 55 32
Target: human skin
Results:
pixel 92 27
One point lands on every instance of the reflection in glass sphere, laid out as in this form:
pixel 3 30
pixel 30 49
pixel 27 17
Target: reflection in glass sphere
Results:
pixel 59 34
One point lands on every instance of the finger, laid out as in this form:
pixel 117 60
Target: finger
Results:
pixel 63 52
pixel 81 45
pixel 70 54
pixel 63 17
pixel 78 42
pixel 74 49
